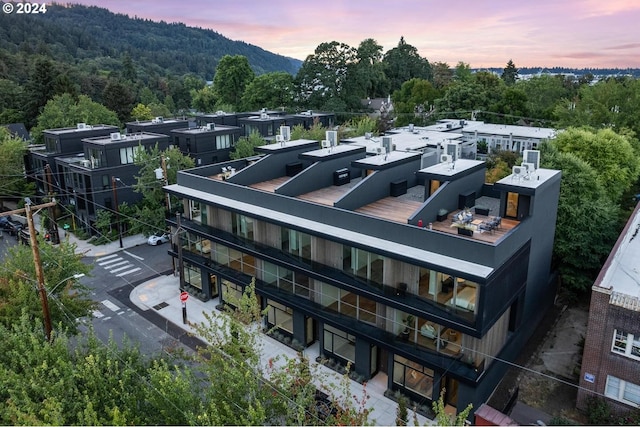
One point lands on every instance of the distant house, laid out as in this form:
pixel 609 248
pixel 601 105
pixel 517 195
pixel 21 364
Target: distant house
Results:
pixel 58 143
pixel 85 180
pixel 611 358
pixel 157 125
pixel 207 144
pixel 377 106
pixel 19 130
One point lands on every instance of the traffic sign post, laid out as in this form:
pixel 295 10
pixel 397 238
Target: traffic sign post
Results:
pixel 184 296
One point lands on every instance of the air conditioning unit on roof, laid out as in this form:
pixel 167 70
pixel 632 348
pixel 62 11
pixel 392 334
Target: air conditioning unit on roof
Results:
pixel 115 136
pixel 81 126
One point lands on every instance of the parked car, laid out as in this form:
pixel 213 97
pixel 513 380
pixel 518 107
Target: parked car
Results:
pixel 158 238
pixel 12 226
pixel 24 237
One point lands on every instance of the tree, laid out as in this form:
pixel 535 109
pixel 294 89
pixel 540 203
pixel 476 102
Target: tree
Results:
pixel 509 74
pixel 444 419
pixel 233 74
pixel 245 147
pixel 39 89
pixel 150 211
pixel 11 100
pixel 463 72
pixel 119 98
pixel 611 156
pixel 543 94
pixel 513 105
pixel 323 75
pixel 443 75
pixel 12 152
pixel 403 63
pixel 587 221
pixel 413 101
pixel 271 90
pixel 68 299
pixel 65 111
pixel 141 112
pixel 204 99
pixel 367 78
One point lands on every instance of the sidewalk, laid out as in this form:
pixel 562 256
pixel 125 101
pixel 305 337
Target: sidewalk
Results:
pixel 161 296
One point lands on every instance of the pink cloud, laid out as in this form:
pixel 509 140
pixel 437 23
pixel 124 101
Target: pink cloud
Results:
pixel 479 33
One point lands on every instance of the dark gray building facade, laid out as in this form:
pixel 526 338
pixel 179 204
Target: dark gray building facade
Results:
pixel 426 276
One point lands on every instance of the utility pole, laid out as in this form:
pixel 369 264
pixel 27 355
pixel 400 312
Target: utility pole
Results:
pixel 53 228
pixel 115 201
pixel 166 182
pixel 38 266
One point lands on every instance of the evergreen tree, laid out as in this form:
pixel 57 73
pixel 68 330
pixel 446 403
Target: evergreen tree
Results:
pixel 510 73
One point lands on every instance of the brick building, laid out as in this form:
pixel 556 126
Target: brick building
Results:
pixel 611 359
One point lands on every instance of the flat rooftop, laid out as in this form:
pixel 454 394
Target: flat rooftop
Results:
pixel 621 272
pixel 138 136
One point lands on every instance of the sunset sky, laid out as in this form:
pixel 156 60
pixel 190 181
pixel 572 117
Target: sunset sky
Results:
pixel 481 33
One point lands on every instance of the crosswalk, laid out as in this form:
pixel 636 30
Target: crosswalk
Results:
pixel 117 265
pixel 112 308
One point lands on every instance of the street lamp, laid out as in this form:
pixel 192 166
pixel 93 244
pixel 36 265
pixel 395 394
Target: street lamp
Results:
pixel 115 200
pixel 75 276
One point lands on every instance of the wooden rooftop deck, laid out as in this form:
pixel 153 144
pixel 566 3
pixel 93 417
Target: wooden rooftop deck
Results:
pixel 327 195
pixel 270 185
pixel 447 226
pixel 394 209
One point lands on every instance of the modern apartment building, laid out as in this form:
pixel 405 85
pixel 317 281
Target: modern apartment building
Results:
pixel 85 180
pixel 611 357
pixel 425 276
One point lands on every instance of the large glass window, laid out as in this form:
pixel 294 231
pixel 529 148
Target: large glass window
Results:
pixel 296 243
pixel 363 264
pixel 223 141
pixel 96 157
pixel 340 343
pixel 192 276
pixel 348 303
pixel 231 292
pixel 128 154
pixel 413 376
pixel 242 225
pixel 622 391
pixel 280 316
pixel 626 344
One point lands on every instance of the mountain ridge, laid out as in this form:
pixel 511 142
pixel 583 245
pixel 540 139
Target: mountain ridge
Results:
pixel 75 34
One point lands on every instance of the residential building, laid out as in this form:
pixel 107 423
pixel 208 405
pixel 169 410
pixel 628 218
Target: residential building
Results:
pixel 506 137
pixel 86 180
pixel 426 277
pixel 207 144
pixel 158 125
pixel 59 142
pixel 611 358
pixel 307 119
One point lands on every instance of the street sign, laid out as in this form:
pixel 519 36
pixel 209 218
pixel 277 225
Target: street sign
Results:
pixel 184 296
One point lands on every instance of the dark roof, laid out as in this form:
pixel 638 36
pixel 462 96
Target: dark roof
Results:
pixel 19 130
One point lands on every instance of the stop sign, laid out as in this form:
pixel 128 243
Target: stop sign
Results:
pixel 184 296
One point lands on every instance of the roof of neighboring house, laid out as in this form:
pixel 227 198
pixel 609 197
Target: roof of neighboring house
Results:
pixel 621 272
pixel 19 130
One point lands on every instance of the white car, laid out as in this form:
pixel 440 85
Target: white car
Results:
pixel 158 238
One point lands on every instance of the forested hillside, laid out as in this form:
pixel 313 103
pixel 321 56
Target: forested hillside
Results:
pixel 94 38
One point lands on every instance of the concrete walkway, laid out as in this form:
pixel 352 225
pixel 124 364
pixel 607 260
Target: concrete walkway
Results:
pixel 162 295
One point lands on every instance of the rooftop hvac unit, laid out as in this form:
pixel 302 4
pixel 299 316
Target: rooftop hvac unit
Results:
pixel 518 171
pixel 264 116
pixel 86 163
pixel 115 136
pixel 81 126
pixel 325 144
pixel 332 137
pixel 531 156
pixel 411 127
pixel 528 168
pixel 158 119
pixel 386 143
pixel 367 135
pixel 211 126
pixel 446 158
pixel 285 131
pixel 453 149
